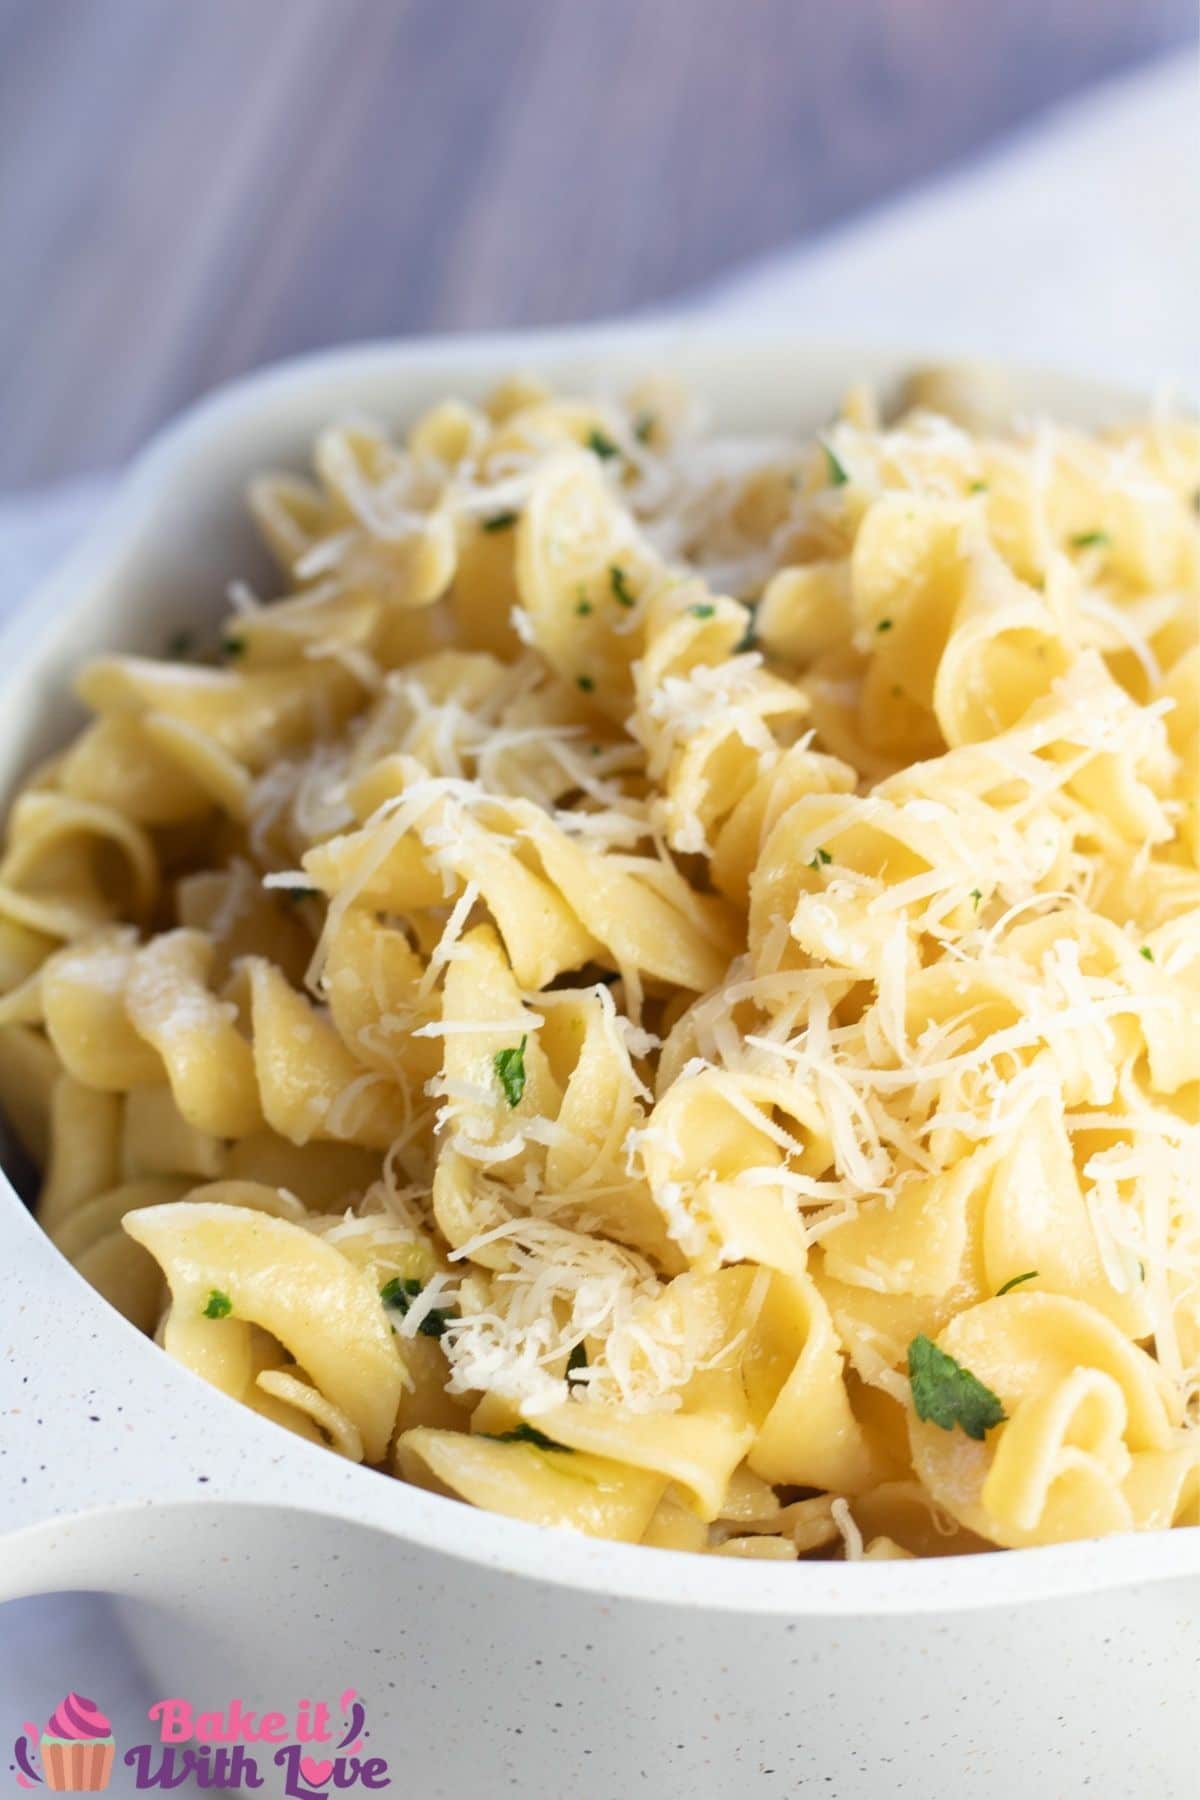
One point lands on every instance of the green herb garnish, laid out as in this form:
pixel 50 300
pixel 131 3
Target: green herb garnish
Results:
pixel 583 608
pixel 1088 540
pixel 619 583
pixel 510 1071
pixel 643 426
pixel 527 1434
pixel 1015 1281
pixel 601 445
pixel 233 646
pixel 398 1295
pixel 838 474
pixel 946 1394
pixel 748 639
pixel 978 487
pixel 585 683
pixel 885 625
pixel 702 611
pixel 822 856
pixel 977 897
pixel 500 521
pixel 219 1305
pixel 1147 952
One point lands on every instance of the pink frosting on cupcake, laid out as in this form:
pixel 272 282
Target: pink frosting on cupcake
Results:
pixel 78 1720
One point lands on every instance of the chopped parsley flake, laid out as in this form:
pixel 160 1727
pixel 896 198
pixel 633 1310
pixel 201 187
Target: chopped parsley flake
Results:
pixel 703 611
pixel 527 1434
pixel 601 445
pixel 619 582
pixel 219 1305
pixel 946 1394
pixel 838 474
pixel 500 521
pixel 586 683
pixel 233 646
pixel 1015 1281
pixel 822 856
pixel 977 897
pixel 1089 540
pixel 1147 952
pixel 748 639
pixel 510 1071
pixel 885 625
pixel 583 608
pixel 978 487
pixel 643 426
pixel 398 1295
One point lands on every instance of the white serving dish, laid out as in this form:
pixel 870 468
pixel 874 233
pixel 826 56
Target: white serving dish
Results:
pixel 496 1657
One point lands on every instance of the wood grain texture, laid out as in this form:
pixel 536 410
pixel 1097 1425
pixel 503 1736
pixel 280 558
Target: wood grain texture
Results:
pixel 191 187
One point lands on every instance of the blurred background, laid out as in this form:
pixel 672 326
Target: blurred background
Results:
pixel 191 187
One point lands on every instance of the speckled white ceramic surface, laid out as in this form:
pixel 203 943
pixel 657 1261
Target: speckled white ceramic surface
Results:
pixel 497 1658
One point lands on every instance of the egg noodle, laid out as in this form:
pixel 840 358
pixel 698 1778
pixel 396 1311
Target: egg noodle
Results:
pixel 657 989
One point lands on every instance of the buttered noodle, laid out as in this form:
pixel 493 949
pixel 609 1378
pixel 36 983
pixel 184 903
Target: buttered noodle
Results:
pixel 655 989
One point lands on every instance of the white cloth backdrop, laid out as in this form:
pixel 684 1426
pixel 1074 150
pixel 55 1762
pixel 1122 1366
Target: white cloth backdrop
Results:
pixel 1075 244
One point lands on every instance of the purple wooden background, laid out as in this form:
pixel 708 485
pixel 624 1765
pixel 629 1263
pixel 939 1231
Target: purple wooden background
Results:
pixel 190 187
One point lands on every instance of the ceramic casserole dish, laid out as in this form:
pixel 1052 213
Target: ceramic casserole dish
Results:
pixel 497 1657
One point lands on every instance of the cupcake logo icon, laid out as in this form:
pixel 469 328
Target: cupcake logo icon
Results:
pixel 75 1750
